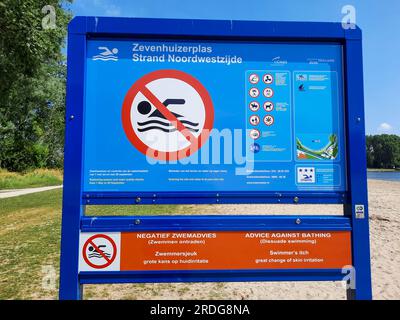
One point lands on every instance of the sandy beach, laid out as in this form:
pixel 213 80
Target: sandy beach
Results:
pixel 385 252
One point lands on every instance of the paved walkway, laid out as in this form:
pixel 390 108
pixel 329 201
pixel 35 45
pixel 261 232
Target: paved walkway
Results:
pixel 20 192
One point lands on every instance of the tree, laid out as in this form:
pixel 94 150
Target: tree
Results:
pixel 32 84
pixel 383 151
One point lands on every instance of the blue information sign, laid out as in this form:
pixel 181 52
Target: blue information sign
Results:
pixel 277 110
pixel 214 112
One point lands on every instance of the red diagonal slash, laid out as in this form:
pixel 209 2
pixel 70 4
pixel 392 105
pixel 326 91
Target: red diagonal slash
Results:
pixel 99 251
pixel 195 143
pixel 168 114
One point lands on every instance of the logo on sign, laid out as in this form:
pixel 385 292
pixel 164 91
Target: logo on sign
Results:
pixel 167 115
pixel 254 106
pixel 301 77
pixel 255 134
pixel 305 175
pixel 255 147
pixel 268 92
pixel 254 78
pixel 254 92
pixel 106 54
pixel 254 120
pixel 99 252
pixel 268 78
pixel 268 106
pixel 360 211
pixel 279 61
pixel 269 120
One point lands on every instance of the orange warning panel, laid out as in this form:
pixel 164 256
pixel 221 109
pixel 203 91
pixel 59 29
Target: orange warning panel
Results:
pixel 144 251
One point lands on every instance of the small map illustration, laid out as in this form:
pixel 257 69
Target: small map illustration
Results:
pixel 329 152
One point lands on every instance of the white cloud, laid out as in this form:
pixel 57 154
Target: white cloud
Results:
pixel 385 127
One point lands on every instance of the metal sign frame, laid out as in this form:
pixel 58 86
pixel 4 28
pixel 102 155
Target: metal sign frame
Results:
pixel 74 220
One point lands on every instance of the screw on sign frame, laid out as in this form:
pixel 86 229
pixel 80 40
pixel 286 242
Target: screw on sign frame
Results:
pixel 195 142
pixel 109 261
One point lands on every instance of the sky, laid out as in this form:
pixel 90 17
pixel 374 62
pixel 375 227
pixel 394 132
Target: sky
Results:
pixel 379 20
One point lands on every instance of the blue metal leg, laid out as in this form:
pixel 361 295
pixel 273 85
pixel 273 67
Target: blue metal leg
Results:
pixel 70 289
pixel 357 175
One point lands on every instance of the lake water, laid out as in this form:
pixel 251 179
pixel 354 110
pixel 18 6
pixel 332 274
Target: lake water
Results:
pixel 388 176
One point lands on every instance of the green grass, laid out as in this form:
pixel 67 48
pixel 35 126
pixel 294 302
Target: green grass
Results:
pixel 36 178
pixel 30 240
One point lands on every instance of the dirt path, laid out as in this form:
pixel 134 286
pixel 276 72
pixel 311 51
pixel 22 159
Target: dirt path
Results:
pixel 21 192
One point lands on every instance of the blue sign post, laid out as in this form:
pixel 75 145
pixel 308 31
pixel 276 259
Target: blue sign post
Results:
pixel 214 112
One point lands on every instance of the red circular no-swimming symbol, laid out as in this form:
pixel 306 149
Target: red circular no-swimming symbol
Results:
pixel 193 140
pixel 102 255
